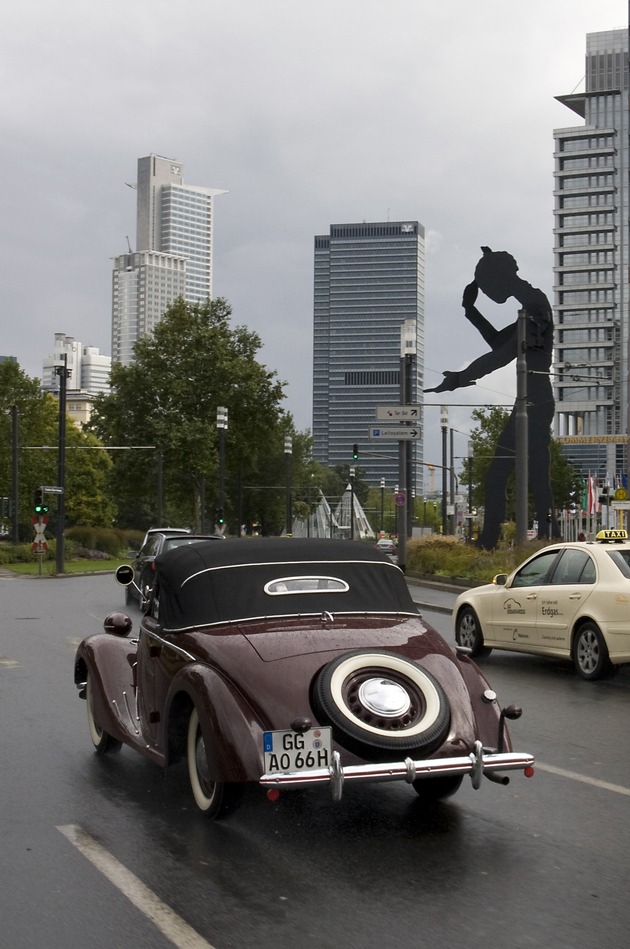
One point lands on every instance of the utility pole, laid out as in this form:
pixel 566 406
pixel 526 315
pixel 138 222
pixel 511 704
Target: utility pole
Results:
pixel 444 426
pixel 521 431
pixel 63 372
pixel 405 464
pixel 15 478
pixel 288 457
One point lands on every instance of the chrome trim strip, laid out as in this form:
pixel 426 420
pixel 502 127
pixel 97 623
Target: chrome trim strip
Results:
pixel 282 563
pixel 282 616
pixel 476 764
pixel 342 588
pixel 169 644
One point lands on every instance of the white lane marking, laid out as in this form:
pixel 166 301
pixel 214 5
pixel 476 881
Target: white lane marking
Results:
pixel 7 663
pixel 167 921
pixel 574 776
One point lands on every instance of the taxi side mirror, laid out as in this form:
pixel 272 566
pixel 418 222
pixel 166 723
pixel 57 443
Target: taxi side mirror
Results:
pixel 500 579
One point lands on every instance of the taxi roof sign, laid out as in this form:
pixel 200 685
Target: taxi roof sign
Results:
pixel 611 535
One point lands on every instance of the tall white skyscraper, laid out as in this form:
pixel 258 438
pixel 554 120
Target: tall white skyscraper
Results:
pixel 592 293
pixel 173 256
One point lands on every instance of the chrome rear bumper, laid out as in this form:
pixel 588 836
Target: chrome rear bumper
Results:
pixel 477 764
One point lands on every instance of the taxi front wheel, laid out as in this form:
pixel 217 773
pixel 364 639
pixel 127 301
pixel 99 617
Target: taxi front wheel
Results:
pixel 468 633
pixel 590 654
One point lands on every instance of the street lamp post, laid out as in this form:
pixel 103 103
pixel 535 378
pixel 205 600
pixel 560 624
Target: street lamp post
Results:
pixel 222 426
pixel 470 492
pixel 288 454
pixel 444 426
pixel 15 472
pixel 382 504
pixel 63 372
pixel 352 473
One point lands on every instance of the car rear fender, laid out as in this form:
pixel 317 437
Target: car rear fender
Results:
pixel 487 712
pixel 232 730
pixel 473 717
pixel 110 662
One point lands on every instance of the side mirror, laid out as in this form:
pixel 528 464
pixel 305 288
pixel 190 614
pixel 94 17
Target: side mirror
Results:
pixel 124 574
pixel 500 579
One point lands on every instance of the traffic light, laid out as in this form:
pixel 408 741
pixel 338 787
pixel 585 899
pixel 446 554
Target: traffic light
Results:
pixel 355 451
pixel 219 517
pixel 40 505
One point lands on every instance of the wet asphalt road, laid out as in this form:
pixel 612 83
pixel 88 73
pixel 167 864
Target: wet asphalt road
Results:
pixel 541 863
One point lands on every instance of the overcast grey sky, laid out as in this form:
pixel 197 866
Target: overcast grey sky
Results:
pixel 309 115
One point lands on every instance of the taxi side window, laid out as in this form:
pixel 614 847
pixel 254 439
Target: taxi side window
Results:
pixel 622 559
pixel 574 566
pixel 535 572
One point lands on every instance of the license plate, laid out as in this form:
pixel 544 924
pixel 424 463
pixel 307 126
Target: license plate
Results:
pixel 297 751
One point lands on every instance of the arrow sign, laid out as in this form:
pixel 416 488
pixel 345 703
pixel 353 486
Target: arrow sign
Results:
pixel 397 413
pixel 395 434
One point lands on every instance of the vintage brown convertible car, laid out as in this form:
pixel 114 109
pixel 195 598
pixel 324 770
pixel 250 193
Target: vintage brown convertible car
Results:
pixel 286 663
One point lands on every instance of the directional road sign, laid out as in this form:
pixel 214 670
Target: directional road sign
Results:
pixel 52 489
pixel 395 433
pixel 397 413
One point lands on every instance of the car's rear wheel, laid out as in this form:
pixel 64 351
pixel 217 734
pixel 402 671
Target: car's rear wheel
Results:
pixel 590 654
pixel 102 741
pixel 382 705
pixel 215 798
pixel 437 789
pixel 468 633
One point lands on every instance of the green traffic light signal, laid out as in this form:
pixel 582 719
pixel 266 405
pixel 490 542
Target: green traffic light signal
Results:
pixel 355 451
pixel 40 505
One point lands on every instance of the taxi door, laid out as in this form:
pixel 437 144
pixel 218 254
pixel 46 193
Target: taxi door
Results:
pixel 516 608
pixel 570 585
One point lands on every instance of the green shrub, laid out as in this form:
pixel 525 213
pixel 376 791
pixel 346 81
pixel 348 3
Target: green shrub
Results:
pixel 447 556
pixel 109 540
pixel 18 553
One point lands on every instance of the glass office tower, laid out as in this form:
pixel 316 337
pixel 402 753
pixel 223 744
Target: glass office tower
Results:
pixel 591 218
pixel 369 280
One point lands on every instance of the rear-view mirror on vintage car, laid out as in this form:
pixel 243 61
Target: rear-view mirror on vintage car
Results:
pixel 124 574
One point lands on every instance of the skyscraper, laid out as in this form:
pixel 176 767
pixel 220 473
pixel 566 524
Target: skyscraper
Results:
pixel 173 256
pixel 369 280
pixel 88 375
pixel 592 293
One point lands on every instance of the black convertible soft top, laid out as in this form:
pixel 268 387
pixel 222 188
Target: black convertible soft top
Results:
pixel 209 582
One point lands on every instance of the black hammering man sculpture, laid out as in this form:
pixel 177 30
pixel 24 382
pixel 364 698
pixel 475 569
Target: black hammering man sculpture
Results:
pixel 496 275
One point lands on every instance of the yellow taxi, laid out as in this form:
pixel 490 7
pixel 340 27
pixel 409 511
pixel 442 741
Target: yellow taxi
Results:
pixel 569 600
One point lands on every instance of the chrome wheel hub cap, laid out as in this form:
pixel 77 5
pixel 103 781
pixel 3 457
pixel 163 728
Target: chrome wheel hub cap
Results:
pixel 384 697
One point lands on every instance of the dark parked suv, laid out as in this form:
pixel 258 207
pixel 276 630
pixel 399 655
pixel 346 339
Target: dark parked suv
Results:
pixel 157 542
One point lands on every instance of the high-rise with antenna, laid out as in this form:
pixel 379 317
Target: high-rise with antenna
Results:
pixel 591 265
pixel 173 255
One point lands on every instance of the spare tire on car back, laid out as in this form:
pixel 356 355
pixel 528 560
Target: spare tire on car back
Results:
pixel 381 706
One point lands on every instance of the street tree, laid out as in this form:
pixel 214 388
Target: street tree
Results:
pixel 163 409
pixel 566 480
pixel 37 454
